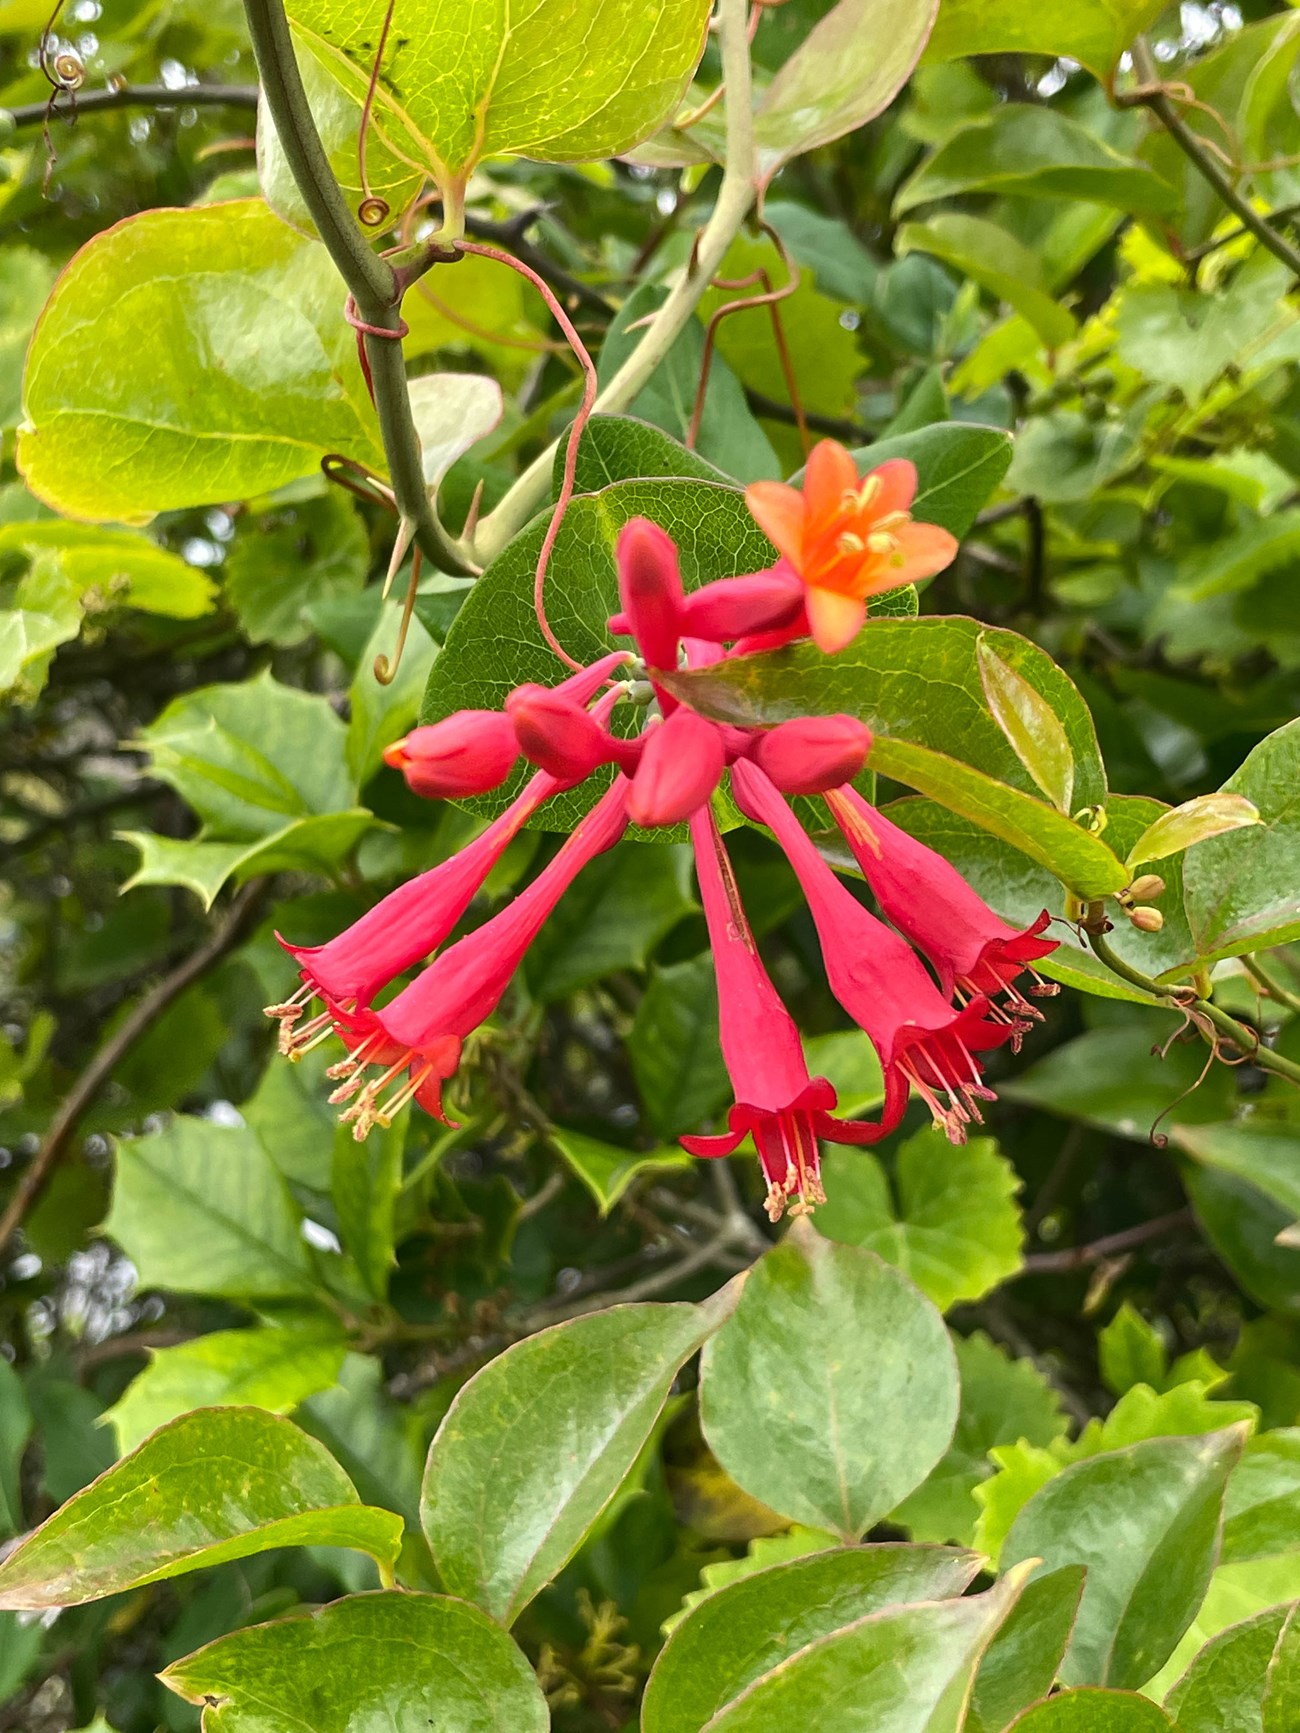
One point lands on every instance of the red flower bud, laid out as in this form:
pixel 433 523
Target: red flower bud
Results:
pixel 467 753
pixel 812 754
pixel 737 607
pixel 681 763
pixel 561 737
pixel 650 587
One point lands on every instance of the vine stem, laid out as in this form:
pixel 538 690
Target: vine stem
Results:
pixel 131 96
pixel 375 285
pixel 1272 987
pixel 735 198
pixel 1238 1033
pixel 1151 94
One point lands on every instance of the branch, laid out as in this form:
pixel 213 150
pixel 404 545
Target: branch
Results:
pixel 376 288
pixel 1271 986
pixel 145 1014
pixel 1200 1011
pixel 130 96
pixel 735 198
pixel 1110 1246
pixel 1151 94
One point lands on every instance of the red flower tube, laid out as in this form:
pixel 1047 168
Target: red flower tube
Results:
pixel 776 1100
pixel 973 951
pixel 922 1041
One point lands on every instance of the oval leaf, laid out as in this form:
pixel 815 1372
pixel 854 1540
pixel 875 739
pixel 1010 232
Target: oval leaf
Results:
pixel 537 1443
pixel 744 1630
pixel 1035 731
pixel 1145 1522
pixel 246 376
pixel 1195 820
pixel 1092 1711
pixel 217 1484
pixel 452 411
pixel 832 1391
pixel 397 1661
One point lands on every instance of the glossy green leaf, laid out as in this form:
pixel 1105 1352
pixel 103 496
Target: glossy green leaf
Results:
pixel 15 1429
pixel 905 1668
pixel 849 67
pixel 1241 889
pixel 1035 731
pixel 1031 151
pixel 199 1207
pixel 916 684
pixel 740 1633
pixel 606 1170
pixel 270 1367
pixel 114 568
pixel 1261 1513
pixel 674 1050
pixel 1223 1691
pixel 954 1228
pixel 1265 1155
pixel 611 918
pixel 1095 32
pixel 248 376
pixel 1144 1520
pixel 995 259
pixel 832 1390
pixel 1181 338
pixel 284 560
pixel 472 80
pixel 1094 1711
pixel 1204 816
pixel 26 278
pixel 625 448
pixel 307 845
pixel 218 1484
pixel 1244 1226
pixel 452 412
pixel 410 1663
pixel 1237 1592
pixel 537 1443
pixel 958 468
pixel 1025 1655
pixel 1002 1400
pixel 365 1178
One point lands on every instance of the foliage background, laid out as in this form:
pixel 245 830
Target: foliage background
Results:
pixel 1003 247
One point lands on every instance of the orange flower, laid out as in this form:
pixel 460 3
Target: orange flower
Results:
pixel 848 538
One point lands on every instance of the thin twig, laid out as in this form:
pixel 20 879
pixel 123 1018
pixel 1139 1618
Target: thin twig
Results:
pixel 1194 255
pixel 1109 1246
pixel 132 96
pixel 1272 987
pixel 143 1016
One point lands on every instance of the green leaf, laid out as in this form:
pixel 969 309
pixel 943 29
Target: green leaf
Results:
pixel 1243 1225
pixel 997 261
pixel 365 1178
pixel 673 1047
pixel 452 412
pixel 745 1630
pixel 849 1062
pixel 1094 32
pixel 310 845
pixel 1241 889
pixel 391 1660
pixel 537 1443
pixel 1180 338
pixel 248 377
pixel 625 448
pixel 955 1229
pixel 916 684
pixel 1031 725
pixel 1002 1401
pixel 1262 1507
pixel 1194 821
pixel 1065 456
pixel 1144 1520
pixel 607 1170
pixel 1111 1078
pixel 1237 1592
pixel 269 1367
pixel 290 557
pixel 1265 1155
pixel 1223 1690
pixel 15 1429
pixel 1094 1711
pixel 113 568
pixel 907 1668
pixel 198 1207
pixel 381 714
pixel 1024 1657
pixel 611 918
pixel 848 69
pixel 832 1390
pixel 958 468
pixel 219 1484
pixel 26 278
pixel 1131 1351
pixel 475 80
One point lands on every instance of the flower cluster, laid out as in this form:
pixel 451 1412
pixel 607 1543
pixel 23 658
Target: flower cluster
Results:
pixel 841 541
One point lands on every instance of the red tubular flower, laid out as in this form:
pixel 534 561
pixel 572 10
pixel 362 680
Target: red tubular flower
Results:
pixel 922 1040
pixel 681 764
pixel 812 754
pixel 556 733
pixel 776 1100
pixel 401 929
pixel 465 754
pixel 974 951
pixel 848 539
pixel 423 1030
pixel 650 588
pixel 731 608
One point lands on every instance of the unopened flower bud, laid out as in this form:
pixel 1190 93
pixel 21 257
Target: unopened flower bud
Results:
pixel 1146 889
pixel 1147 920
pixel 467 753
pixel 735 608
pixel 559 736
pixel 650 588
pixel 680 766
pixel 812 754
